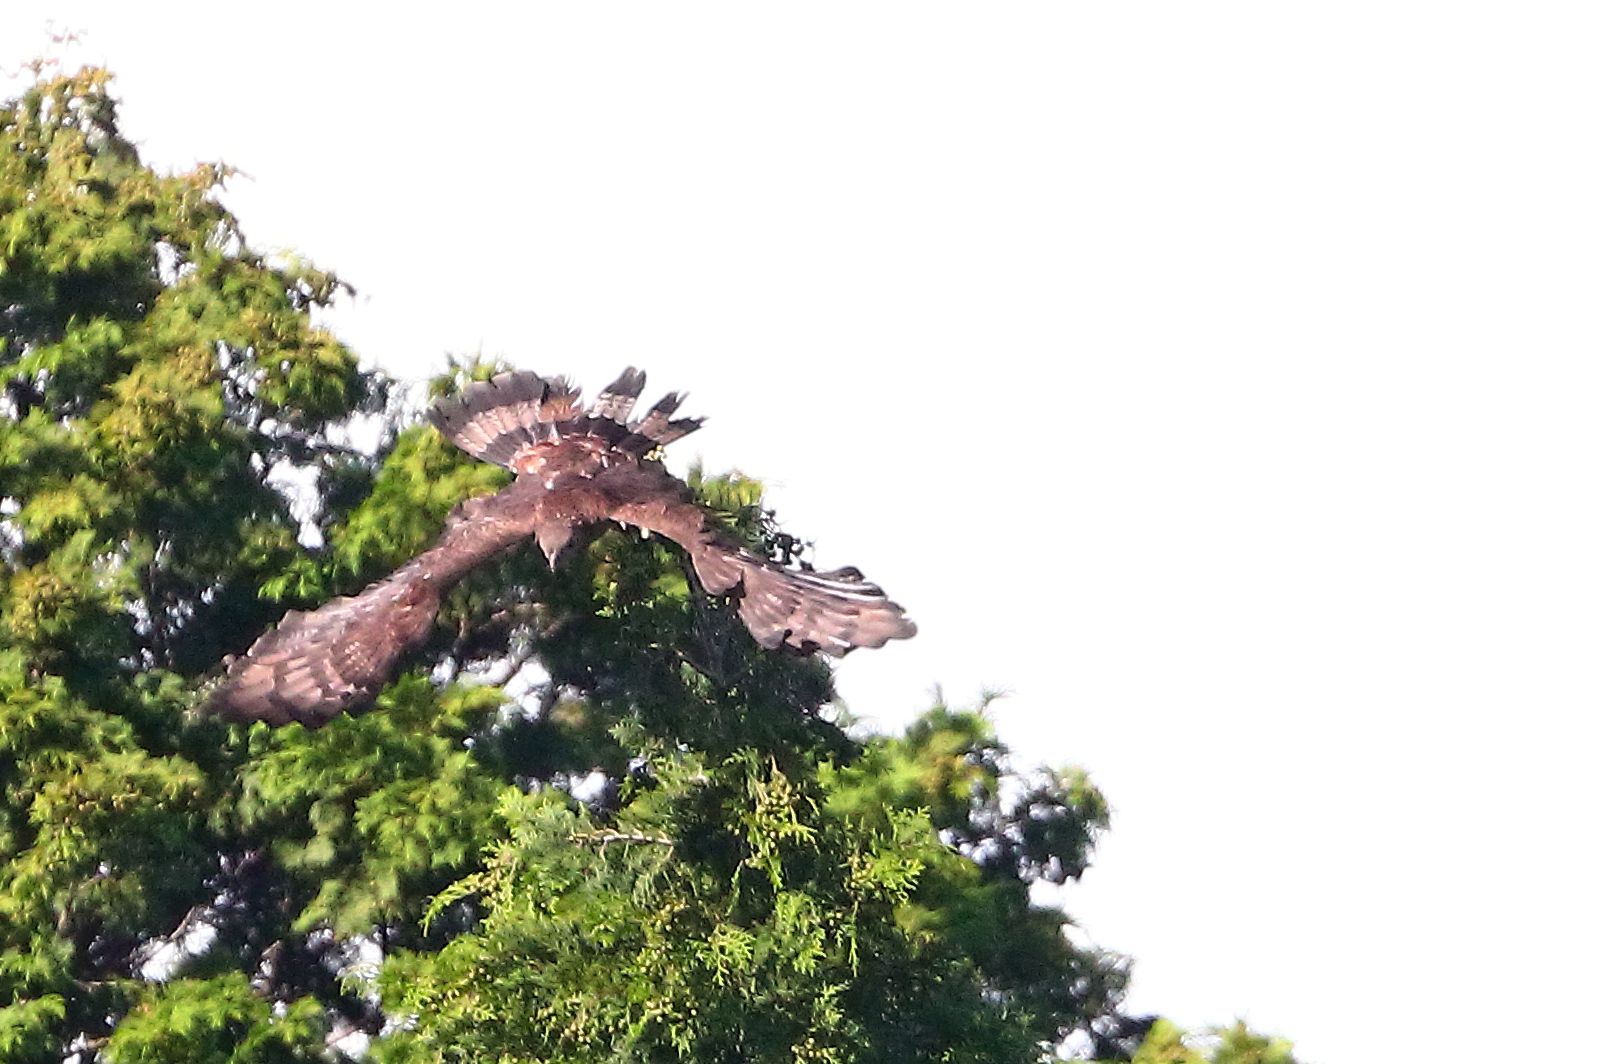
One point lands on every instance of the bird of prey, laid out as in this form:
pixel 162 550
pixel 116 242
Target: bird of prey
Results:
pixel 574 466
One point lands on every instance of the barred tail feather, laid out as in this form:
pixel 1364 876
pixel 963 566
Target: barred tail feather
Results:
pixel 493 419
pixel 496 419
pixel 658 427
pixel 677 429
pixel 617 399
pixel 561 402
pixel 655 422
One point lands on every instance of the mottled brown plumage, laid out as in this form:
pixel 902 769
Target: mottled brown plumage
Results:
pixel 574 466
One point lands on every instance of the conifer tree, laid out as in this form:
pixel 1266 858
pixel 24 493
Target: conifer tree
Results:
pixel 593 822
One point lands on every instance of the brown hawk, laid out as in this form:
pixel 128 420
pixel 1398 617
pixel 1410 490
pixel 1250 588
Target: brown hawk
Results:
pixel 575 466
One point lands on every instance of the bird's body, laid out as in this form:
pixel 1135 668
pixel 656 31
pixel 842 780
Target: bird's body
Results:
pixel 575 467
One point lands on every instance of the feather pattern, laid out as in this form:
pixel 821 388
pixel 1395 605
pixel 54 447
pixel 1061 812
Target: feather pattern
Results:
pixel 834 612
pixel 575 467
pixel 337 657
pixel 617 398
pixel 655 422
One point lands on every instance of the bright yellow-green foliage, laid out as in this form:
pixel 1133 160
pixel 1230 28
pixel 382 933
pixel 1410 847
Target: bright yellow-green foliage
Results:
pixel 374 809
pixel 740 881
pixel 758 937
pixel 199 1021
pixel 154 370
pixel 1167 1044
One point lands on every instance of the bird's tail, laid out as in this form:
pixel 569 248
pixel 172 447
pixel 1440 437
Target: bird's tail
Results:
pixel 501 418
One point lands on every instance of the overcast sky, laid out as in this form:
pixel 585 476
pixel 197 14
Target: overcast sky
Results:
pixel 1219 379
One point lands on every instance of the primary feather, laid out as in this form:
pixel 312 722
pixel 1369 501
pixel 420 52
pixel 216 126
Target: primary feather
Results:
pixel 574 466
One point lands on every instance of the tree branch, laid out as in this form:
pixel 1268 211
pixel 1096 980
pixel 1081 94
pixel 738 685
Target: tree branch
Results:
pixel 606 838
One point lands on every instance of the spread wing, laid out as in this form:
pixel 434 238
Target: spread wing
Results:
pixel 574 465
pixel 834 612
pixel 337 658
pixel 316 665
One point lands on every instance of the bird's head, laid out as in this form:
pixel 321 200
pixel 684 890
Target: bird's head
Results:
pixel 553 540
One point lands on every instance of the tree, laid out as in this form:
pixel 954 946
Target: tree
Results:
pixel 154 373
pixel 593 822
pixel 1166 1043
pixel 735 907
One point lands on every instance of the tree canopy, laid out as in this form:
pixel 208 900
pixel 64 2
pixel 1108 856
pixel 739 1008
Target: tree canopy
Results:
pixel 593 822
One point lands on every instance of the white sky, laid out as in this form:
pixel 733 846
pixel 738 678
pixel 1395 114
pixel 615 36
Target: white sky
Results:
pixel 1219 379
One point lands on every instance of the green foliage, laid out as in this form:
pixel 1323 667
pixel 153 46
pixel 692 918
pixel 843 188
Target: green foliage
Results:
pixel 1167 1044
pixel 741 880
pixel 371 815
pixel 724 915
pixel 154 372
pixel 202 1021
pixel 1240 1045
